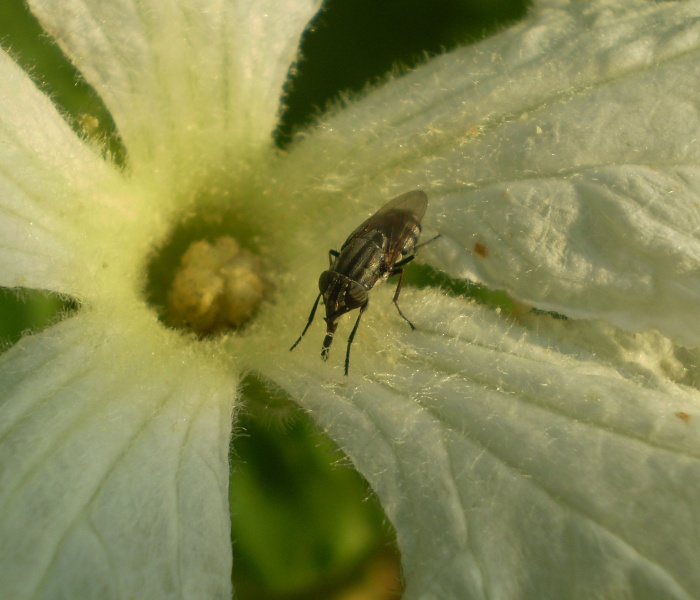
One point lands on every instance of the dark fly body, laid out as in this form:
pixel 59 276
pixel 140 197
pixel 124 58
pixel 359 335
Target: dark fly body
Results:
pixel 376 250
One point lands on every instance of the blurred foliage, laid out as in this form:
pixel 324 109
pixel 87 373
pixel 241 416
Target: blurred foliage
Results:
pixel 353 43
pixel 315 526
pixel 306 525
pixel 23 311
pixel 22 36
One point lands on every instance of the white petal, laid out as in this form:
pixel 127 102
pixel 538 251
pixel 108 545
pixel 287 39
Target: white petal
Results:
pixel 565 149
pixel 113 465
pixel 48 180
pixel 183 78
pixel 511 469
pixel 612 9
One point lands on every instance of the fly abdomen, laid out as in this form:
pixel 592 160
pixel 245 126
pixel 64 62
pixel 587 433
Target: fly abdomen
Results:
pixel 411 240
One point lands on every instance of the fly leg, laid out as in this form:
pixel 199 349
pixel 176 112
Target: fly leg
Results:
pixel 332 256
pixel 430 241
pixel 399 271
pixel 363 308
pixel 308 323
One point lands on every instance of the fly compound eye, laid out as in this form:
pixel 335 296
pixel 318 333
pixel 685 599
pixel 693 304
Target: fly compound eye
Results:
pixel 377 249
pixel 356 295
pixel 324 281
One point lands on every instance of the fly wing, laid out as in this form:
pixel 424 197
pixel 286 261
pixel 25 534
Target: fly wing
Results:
pixel 397 219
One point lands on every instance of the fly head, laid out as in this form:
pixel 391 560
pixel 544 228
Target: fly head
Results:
pixel 340 294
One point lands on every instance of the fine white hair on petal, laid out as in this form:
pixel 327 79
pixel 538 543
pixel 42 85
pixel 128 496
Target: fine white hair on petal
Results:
pixel 183 79
pixel 560 159
pixel 51 192
pixel 619 243
pixel 599 8
pixel 115 472
pixel 503 455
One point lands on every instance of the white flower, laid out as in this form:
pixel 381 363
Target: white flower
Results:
pixel 518 457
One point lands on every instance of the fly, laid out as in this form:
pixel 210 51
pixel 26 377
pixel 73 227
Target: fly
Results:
pixel 376 250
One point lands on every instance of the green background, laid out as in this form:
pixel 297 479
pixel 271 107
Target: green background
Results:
pixel 306 524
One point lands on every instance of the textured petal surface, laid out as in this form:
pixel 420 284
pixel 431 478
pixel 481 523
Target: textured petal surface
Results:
pixel 513 461
pixel 183 80
pixel 560 159
pixel 113 465
pixel 51 191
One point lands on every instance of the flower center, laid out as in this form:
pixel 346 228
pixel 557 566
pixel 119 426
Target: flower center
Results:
pixel 217 285
pixel 209 277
